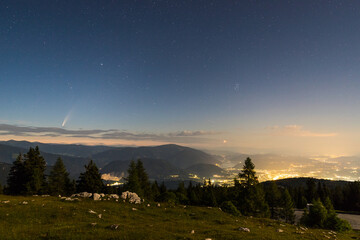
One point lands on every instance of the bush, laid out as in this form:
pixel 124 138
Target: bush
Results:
pixel 168 197
pixel 229 207
pixel 322 217
pixel 335 223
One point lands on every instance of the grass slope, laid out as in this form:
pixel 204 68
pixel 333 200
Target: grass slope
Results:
pixel 51 218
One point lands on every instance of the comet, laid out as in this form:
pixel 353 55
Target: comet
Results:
pixel 66 119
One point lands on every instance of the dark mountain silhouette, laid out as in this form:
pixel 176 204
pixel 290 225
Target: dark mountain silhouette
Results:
pixel 301 182
pixel 157 169
pixel 74 165
pixel 73 150
pixel 179 156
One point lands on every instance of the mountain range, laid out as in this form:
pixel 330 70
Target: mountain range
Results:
pixel 161 162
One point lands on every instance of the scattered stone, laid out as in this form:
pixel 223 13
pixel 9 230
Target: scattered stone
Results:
pixel 244 229
pixel 279 230
pixel 99 215
pixel 158 205
pixel 59 196
pixel 114 226
pixel 32 200
pixel 93 224
pixel 96 197
pixel 24 203
pixel 6 201
pixel 131 197
pixel 208 239
pixel 134 209
pixel 91 211
pixel 283 225
pixel 102 195
pixel 45 195
pixel 148 205
pixel 192 231
pixel 114 196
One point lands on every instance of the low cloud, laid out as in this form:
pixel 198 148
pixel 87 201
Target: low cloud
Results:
pixel 297 131
pixel 180 136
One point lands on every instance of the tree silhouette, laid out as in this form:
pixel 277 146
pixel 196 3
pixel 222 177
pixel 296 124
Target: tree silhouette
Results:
pixel 90 180
pixel 16 178
pixel 59 182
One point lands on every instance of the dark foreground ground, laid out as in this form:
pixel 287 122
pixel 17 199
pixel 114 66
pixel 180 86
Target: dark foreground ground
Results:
pixel 51 218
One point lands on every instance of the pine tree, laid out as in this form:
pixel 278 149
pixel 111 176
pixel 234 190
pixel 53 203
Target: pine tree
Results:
pixel 272 197
pixel 34 168
pixel 287 211
pixel 90 180
pixel 133 181
pixel 248 176
pixel 16 178
pixel 155 192
pixel 251 199
pixel 144 180
pixel 59 182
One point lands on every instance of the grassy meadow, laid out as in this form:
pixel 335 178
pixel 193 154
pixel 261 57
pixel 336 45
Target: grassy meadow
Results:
pixel 39 217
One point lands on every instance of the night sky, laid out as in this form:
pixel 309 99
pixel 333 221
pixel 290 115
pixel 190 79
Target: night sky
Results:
pixel 255 76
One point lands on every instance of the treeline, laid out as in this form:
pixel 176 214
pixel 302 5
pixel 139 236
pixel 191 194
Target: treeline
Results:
pixel 247 197
pixel 27 177
pixel 344 197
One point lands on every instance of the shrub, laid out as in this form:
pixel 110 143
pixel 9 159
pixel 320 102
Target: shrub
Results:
pixel 229 207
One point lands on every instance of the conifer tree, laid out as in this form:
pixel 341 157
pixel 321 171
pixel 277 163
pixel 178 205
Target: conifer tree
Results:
pixel 16 178
pixel 252 197
pixel 143 180
pixel 90 180
pixel 155 192
pixel 272 197
pixel 248 176
pixel 287 211
pixel 34 168
pixel 59 182
pixel 133 181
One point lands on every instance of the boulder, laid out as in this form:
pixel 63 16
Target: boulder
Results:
pixel 96 197
pixel 114 196
pixel 131 197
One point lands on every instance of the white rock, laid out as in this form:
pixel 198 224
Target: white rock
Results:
pixel 96 197
pixel 99 215
pixel 280 230
pixel 244 229
pixel 93 224
pixel 91 211
pixel 114 196
pixel 24 203
pixel 134 209
pixel 6 201
pixel 131 197
pixel 85 195
pixel 148 205
pixel 158 205
pixel 192 231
